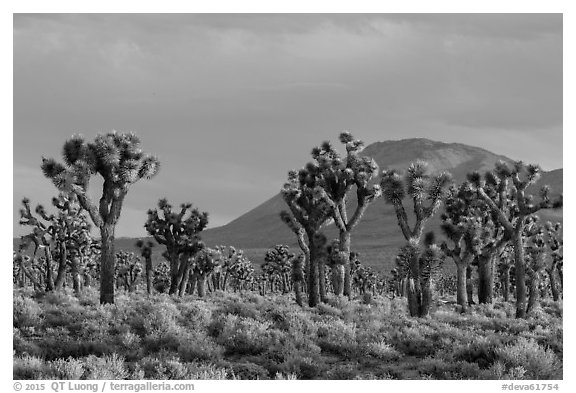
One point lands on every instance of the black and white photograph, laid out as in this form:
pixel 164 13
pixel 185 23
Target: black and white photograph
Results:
pixel 287 196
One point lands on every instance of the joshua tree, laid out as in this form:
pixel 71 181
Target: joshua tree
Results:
pixel 420 264
pixel 146 252
pixel 128 269
pixel 118 159
pixel 241 271
pixel 277 266
pixel 536 256
pixel 426 192
pixel 469 224
pixel 336 179
pixel 206 262
pixel 162 276
pixel 63 234
pixel 179 232
pixel 554 242
pixel 461 228
pixel 308 212
pixel 513 213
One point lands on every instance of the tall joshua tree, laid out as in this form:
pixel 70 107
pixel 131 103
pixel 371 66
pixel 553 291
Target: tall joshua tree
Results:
pixel 308 212
pixel 425 190
pixel 461 227
pixel 337 178
pixel 512 215
pixel 146 252
pixel 179 232
pixel 118 159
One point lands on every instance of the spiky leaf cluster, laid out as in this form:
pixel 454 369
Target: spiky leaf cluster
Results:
pixel 278 261
pixel 414 260
pixel 426 191
pixel 418 184
pixel 207 261
pixel 117 157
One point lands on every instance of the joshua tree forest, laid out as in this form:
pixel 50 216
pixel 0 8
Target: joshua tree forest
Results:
pixel 394 256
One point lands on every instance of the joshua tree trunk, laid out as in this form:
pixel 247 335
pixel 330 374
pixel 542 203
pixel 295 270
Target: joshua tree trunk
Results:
pixel 506 283
pixel 345 255
pixel 461 293
pixel 193 283
pixel 534 292
pixel 201 285
pixel 174 271
pixel 414 296
pixel 338 279
pixel 553 284
pixel 107 262
pixel 426 300
pixel 322 280
pixel 520 266
pixel 75 270
pixel 298 293
pixel 149 275
pixel 469 285
pixel 183 277
pixel 312 270
pixel 61 276
pixel 414 288
pixel 49 274
pixel 486 278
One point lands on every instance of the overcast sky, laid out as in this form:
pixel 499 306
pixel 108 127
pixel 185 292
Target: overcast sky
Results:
pixel 230 103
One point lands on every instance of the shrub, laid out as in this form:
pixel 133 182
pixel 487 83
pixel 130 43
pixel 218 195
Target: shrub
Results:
pixel 248 370
pixel 67 368
pixel 243 335
pixel 26 312
pixel 199 347
pixel 106 367
pixel 538 362
pixel 382 350
pixel 336 336
pixel 29 367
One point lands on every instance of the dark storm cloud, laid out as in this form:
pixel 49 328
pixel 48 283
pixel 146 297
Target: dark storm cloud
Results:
pixel 231 102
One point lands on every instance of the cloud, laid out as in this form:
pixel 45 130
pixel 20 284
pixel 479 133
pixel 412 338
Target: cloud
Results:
pixel 230 103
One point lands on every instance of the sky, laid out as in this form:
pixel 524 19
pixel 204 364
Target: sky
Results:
pixel 230 103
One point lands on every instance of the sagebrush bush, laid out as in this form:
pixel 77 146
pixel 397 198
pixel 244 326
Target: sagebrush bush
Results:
pixel 106 367
pixel 538 362
pixel 27 312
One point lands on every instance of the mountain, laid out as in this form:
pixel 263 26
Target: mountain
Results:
pixel 377 234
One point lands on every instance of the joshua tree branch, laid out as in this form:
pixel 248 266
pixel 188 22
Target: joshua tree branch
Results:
pixel 499 213
pixel 88 205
